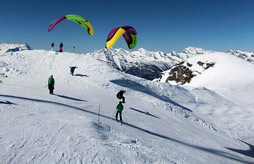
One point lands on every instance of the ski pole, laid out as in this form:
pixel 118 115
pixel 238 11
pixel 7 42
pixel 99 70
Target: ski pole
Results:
pixel 99 109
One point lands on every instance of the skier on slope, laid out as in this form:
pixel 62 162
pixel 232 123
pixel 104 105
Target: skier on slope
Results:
pixel 72 68
pixel 119 95
pixel 61 47
pixel 51 83
pixel 119 108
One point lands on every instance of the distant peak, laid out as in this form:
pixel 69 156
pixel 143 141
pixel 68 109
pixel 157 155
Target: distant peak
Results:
pixel 195 50
pixel 142 49
pixel 13 47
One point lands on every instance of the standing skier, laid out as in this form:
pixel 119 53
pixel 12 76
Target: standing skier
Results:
pixel 52 46
pixel 51 83
pixel 119 108
pixel 61 47
pixel 119 95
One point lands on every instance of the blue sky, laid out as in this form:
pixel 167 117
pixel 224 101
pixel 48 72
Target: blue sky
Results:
pixel 162 25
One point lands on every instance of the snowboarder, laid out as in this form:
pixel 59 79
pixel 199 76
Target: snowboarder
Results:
pixel 72 68
pixel 119 95
pixel 61 47
pixel 52 46
pixel 51 83
pixel 119 108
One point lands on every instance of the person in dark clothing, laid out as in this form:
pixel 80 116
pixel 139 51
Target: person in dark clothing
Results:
pixel 51 84
pixel 120 95
pixel 52 46
pixel 61 47
pixel 119 108
pixel 72 68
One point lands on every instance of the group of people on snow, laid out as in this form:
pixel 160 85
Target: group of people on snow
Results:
pixel 60 47
pixel 119 95
pixel 51 80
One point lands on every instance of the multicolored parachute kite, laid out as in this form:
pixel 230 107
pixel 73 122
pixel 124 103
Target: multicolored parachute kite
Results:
pixel 75 18
pixel 128 32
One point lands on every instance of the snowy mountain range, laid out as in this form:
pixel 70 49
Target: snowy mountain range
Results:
pixel 141 63
pixel 208 120
pixel 149 65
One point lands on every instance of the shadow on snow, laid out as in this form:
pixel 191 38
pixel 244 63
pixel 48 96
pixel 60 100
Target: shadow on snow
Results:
pixel 138 87
pixel 249 152
pixel 204 149
pixel 70 98
pixel 81 75
pixel 7 102
pixel 146 113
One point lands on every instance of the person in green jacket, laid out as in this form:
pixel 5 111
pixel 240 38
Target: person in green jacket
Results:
pixel 119 108
pixel 51 83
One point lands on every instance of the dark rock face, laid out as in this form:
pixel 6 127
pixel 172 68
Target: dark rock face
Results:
pixel 143 70
pixel 13 50
pixel 146 71
pixel 182 73
pixel 205 65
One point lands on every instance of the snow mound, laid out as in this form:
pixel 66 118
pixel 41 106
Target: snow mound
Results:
pixel 230 76
pixel 227 71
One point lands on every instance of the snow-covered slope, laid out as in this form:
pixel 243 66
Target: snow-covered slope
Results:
pixel 163 123
pixel 229 76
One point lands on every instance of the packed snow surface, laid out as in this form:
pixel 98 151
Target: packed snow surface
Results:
pixel 162 123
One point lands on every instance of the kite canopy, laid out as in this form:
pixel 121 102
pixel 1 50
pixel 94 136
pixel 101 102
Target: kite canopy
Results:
pixel 75 18
pixel 128 32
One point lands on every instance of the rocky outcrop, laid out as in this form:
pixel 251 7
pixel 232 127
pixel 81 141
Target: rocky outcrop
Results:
pixel 180 74
pixel 205 65
pixel 183 73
